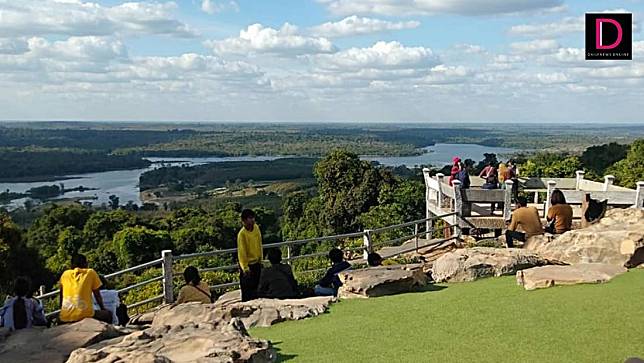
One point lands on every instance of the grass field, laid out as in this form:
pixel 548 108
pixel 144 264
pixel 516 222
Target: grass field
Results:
pixel 491 320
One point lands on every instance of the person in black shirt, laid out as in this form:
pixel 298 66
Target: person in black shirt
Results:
pixel 277 281
pixel 330 283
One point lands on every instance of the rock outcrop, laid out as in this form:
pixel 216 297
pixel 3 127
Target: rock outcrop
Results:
pixel 583 273
pixel 55 344
pixel 266 312
pixel 613 240
pixel 259 312
pixel 215 341
pixel 470 264
pixel 380 281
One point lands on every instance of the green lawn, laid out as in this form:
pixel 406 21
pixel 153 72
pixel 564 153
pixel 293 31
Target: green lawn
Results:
pixel 491 320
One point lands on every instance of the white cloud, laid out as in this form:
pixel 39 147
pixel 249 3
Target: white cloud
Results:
pixel 215 6
pixel 419 7
pixel 355 25
pixel 384 55
pixel 539 46
pixel 561 27
pixel 13 46
pixel 79 18
pixel 555 29
pixel 260 39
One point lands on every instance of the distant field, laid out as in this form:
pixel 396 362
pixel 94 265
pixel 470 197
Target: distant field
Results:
pixel 491 320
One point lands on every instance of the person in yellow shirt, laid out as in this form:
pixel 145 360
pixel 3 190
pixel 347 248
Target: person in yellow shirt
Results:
pixel 194 289
pixel 250 255
pixel 76 288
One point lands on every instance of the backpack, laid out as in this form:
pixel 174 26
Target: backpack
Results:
pixel 464 178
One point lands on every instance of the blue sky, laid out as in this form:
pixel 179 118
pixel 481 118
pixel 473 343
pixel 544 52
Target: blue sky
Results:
pixel 313 60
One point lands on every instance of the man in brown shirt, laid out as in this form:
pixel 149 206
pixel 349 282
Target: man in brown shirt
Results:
pixel 527 219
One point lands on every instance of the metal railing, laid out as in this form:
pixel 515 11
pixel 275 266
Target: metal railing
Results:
pixel 420 227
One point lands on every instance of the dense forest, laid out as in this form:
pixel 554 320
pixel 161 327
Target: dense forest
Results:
pixel 31 165
pixel 32 151
pixel 218 174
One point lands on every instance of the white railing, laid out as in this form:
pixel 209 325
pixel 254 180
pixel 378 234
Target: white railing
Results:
pixel 167 260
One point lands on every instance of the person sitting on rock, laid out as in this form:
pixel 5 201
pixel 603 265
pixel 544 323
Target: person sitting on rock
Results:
pixel 559 214
pixel 277 281
pixel 194 289
pixel 110 299
pixel 330 283
pixel 527 219
pixel 374 259
pixel 22 311
pixel 77 285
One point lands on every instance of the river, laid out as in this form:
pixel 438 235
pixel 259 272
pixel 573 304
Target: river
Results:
pixel 125 183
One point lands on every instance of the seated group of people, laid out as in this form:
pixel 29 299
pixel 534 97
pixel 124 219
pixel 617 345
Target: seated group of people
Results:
pixel 526 223
pixel 276 281
pixel 83 294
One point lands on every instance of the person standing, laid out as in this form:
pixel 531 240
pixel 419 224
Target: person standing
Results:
pixel 250 255
pixel 77 285
pixel 456 167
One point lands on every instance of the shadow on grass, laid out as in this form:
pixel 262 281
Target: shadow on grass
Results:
pixel 429 288
pixel 282 357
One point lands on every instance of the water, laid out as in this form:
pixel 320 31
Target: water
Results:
pixel 125 183
pixel 440 155
pixel 122 183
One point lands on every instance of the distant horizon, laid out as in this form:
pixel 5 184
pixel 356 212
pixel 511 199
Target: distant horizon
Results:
pixel 392 123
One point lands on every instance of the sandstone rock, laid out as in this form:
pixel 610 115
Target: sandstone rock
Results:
pixel 266 312
pixel 380 281
pixel 583 273
pixel 613 240
pixel 216 341
pixel 474 263
pixel 259 312
pixel 55 344
pixel 228 298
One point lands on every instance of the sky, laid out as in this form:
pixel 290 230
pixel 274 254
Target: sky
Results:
pixel 436 61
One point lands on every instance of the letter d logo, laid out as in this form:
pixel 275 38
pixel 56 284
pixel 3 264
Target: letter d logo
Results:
pixel 599 23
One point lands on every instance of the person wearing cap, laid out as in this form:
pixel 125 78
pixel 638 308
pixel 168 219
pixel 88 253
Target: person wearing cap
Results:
pixel 456 167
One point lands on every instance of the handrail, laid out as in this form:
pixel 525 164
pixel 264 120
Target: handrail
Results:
pixel 407 224
pixel 168 259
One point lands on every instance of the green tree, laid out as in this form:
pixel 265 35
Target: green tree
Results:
pixel 136 245
pixel 598 158
pixel 630 170
pixel 347 187
pixel 550 165
pixel 16 259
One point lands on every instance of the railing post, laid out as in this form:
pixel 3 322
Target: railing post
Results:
pixel 639 195
pixel 507 200
pixel 439 198
pixel 551 187
pixel 458 197
pixel 288 254
pixel 608 181
pixel 536 197
pixel 416 235
pixel 168 293
pixel 458 204
pixel 427 199
pixel 366 242
pixel 579 178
